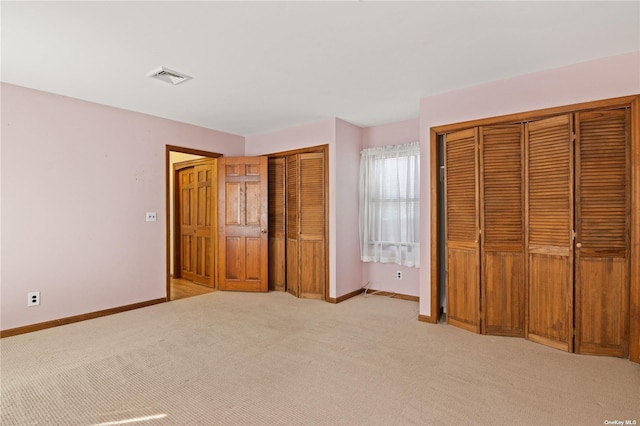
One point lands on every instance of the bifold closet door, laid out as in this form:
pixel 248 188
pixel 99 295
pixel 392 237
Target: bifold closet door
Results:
pixel 306 266
pixel 311 190
pixel 549 207
pixel 502 225
pixel 293 273
pixel 461 229
pixel 602 232
pixel 277 239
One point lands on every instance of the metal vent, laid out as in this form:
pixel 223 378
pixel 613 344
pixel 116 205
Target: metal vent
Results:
pixel 168 76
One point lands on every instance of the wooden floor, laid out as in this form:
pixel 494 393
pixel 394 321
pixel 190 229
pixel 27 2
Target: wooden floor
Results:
pixel 181 289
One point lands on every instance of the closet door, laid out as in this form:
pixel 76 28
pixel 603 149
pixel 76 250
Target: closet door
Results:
pixel 461 229
pixel 549 199
pixel 311 210
pixel 277 239
pixel 293 276
pixel 602 232
pixel 502 201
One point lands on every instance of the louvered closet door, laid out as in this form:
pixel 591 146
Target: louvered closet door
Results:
pixel 311 189
pixel 277 188
pixel 293 275
pixel 602 232
pixel 549 234
pixel 502 201
pixel 461 228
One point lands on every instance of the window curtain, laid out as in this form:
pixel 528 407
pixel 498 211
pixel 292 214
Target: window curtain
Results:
pixel 390 204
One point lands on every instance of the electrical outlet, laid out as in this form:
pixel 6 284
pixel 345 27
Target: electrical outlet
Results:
pixel 151 216
pixel 33 298
pixel 399 275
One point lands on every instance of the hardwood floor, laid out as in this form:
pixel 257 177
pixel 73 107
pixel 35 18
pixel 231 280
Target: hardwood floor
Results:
pixel 181 289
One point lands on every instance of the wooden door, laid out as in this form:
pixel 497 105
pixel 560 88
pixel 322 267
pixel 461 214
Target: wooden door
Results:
pixel 502 224
pixel 602 232
pixel 277 222
pixel 196 203
pixel 243 224
pixel 462 229
pixel 311 210
pixel 293 226
pixel 203 244
pixel 187 222
pixel 549 208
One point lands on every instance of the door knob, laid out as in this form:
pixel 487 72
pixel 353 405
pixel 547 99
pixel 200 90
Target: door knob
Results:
pixel 578 245
pixel 263 231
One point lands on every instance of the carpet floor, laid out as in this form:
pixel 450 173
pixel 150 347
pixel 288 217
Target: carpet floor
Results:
pixel 270 359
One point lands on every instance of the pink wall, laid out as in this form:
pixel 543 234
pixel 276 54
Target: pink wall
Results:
pixel 397 133
pixel 344 207
pixel 313 134
pixel 77 179
pixel 600 79
pixel 381 276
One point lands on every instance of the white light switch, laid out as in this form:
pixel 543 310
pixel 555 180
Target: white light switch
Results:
pixel 151 216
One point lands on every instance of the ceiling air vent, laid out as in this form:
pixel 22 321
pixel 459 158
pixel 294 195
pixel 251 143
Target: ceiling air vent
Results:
pixel 168 76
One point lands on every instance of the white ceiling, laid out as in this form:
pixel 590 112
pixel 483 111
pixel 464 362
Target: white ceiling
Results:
pixel 260 66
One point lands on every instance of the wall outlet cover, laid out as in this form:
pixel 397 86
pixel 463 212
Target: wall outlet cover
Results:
pixel 33 298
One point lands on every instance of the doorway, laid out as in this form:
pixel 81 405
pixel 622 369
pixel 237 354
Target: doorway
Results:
pixel 178 287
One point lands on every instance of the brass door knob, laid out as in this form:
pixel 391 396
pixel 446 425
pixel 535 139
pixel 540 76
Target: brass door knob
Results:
pixel 263 231
pixel 578 245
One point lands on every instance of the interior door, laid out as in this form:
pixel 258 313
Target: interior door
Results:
pixel 502 224
pixel 187 222
pixel 243 223
pixel 203 244
pixel 549 207
pixel 462 229
pixel 602 232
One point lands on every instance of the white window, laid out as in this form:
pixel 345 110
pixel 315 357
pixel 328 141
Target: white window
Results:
pixel 390 204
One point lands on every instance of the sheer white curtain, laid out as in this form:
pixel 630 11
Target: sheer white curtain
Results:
pixel 390 204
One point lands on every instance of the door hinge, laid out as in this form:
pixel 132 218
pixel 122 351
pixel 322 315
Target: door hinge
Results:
pixel 573 235
pixel 573 136
pixel 573 331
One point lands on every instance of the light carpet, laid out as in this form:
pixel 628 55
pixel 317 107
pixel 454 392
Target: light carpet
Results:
pixel 271 359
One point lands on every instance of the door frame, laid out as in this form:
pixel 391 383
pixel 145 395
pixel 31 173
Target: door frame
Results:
pixel 168 196
pixel 632 102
